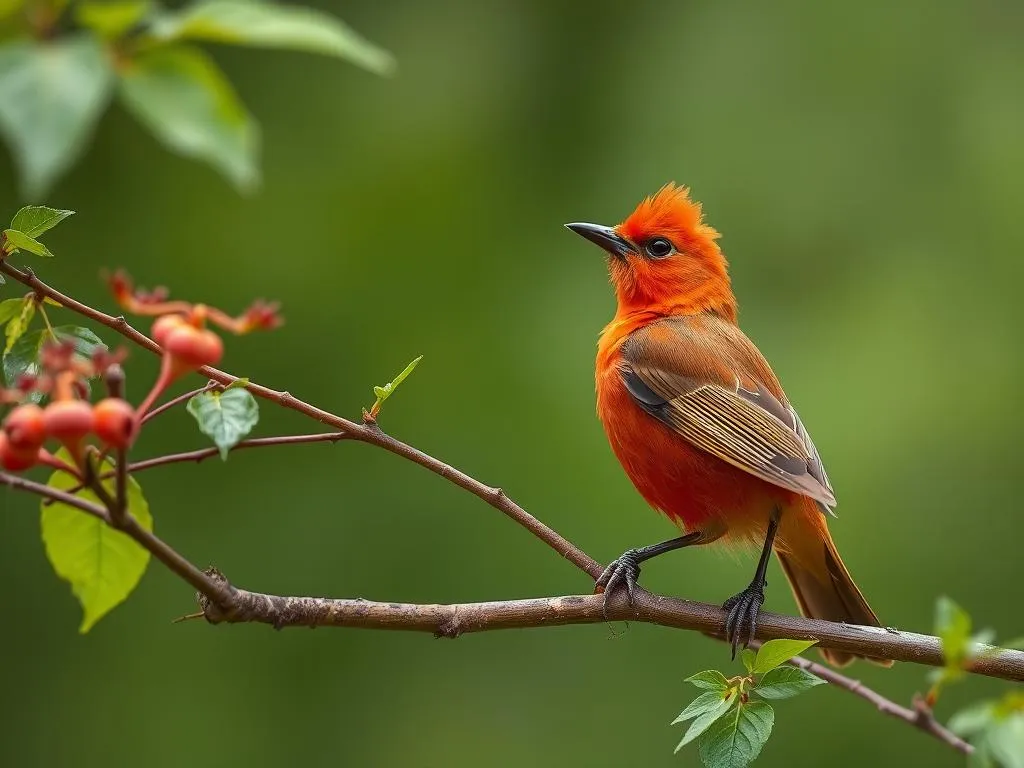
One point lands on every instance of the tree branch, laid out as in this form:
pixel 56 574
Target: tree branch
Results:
pixel 257 442
pixel 23 484
pixel 454 620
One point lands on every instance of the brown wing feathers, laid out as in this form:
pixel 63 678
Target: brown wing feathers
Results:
pixel 750 429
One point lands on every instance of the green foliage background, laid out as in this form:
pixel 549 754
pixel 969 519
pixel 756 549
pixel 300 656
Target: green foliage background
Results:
pixel 864 162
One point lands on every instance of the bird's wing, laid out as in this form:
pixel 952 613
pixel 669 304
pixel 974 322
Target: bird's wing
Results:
pixel 707 382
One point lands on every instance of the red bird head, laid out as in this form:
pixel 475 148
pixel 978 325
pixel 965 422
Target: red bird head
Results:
pixel 664 258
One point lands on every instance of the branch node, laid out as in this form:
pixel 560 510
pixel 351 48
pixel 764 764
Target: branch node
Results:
pixel 450 628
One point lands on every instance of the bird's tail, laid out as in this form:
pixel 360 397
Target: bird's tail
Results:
pixel 824 589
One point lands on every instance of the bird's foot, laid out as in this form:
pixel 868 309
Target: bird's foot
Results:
pixel 623 571
pixel 741 620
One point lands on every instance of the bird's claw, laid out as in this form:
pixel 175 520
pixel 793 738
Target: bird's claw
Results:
pixel 623 571
pixel 741 619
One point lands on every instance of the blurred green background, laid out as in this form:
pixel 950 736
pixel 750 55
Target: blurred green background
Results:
pixel 864 163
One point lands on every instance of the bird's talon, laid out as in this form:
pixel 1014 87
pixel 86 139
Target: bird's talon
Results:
pixel 622 571
pixel 741 619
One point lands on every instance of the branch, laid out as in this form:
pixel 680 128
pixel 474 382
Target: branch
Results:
pixel 154 412
pixel 23 484
pixel 454 620
pixel 367 433
pixel 257 442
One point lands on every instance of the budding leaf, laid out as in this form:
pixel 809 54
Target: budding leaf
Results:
pixel 34 220
pixel 735 740
pixel 706 702
pixel 102 564
pixel 22 242
pixel 710 680
pixel 785 682
pixel 747 657
pixel 226 417
pixel 775 652
pixel 51 95
pixel 272 25
pixel 187 102
pixel 18 324
pixel 383 393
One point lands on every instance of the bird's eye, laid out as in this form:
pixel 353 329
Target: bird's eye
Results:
pixel 658 247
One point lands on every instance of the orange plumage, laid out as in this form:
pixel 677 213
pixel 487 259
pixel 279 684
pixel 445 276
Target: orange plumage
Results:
pixel 701 424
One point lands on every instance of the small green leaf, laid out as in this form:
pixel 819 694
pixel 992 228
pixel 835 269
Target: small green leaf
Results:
pixel 34 220
pixel 185 100
pixel 706 702
pixel 784 682
pixel 270 25
pixel 9 308
pixel 775 652
pixel 226 417
pixel 383 393
pixel 973 719
pixel 18 324
pixel 112 18
pixel 707 717
pixel 24 357
pixel 747 656
pixel 102 564
pixel 23 242
pixel 953 626
pixel 241 383
pixel 736 740
pixel 710 680
pixel 51 95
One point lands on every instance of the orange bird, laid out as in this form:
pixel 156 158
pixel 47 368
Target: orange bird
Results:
pixel 700 423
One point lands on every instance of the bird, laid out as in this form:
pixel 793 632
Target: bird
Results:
pixel 701 424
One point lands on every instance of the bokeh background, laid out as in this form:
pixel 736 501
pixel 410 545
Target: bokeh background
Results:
pixel 865 164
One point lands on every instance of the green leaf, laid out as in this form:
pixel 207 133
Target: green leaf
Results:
pixel 747 656
pixel 269 25
pixel 973 719
pixel 710 680
pixel 51 95
pixel 111 19
pixel 775 652
pixel 383 393
pixel 226 417
pixel 181 95
pixel 784 682
pixel 706 702
pixel 953 626
pixel 1005 741
pixel 9 308
pixel 736 740
pixel 102 564
pixel 24 357
pixel 34 220
pixel 241 383
pixel 706 718
pixel 23 242
pixel 18 324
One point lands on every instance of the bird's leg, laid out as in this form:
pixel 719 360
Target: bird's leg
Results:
pixel 625 569
pixel 741 620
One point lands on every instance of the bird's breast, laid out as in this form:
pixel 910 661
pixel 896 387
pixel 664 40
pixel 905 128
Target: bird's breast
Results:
pixel 692 487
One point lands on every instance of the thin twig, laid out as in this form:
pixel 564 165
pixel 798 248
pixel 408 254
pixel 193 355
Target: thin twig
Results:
pixel 256 442
pixel 153 413
pixel 24 484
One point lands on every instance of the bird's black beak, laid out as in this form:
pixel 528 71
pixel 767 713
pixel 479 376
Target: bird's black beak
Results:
pixel 606 237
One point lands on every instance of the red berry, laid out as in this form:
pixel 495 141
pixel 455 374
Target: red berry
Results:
pixel 25 427
pixel 163 325
pixel 114 422
pixel 68 420
pixel 16 459
pixel 193 347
